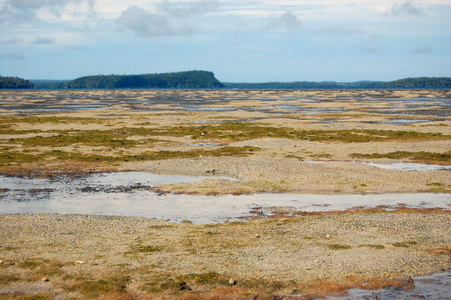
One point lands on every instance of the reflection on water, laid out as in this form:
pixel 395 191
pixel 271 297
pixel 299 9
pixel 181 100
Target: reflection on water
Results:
pixel 410 166
pixel 130 194
pixel 401 166
pixel 435 286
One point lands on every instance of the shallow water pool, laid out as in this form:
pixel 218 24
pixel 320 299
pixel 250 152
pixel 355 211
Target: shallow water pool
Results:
pixel 131 194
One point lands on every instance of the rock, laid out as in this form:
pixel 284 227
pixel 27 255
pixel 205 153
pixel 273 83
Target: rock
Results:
pixel 257 236
pixel 328 236
pixel 232 281
pixel 45 279
pixel 79 262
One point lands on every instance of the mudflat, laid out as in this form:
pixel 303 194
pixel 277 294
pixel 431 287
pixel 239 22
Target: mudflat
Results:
pixel 271 141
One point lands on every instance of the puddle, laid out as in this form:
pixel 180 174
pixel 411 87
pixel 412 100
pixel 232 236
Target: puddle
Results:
pixel 130 194
pixel 435 286
pixel 406 121
pixel 393 166
pixel 410 167
pixel 204 145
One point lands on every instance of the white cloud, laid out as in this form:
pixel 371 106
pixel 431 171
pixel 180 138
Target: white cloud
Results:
pixel 43 40
pixel 26 11
pixel 287 20
pixel 188 9
pixel 143 22
pixel 11 41
pixel 406 8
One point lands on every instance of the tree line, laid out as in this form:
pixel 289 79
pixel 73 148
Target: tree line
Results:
pixel 15 83
pixel 177 80
pixel 207 80
pixel 407 83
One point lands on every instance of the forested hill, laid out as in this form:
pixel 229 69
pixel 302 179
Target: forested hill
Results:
pixel 408 83
pixel 207 80
pixel 422 82
pixel 188 79
pixel 14 83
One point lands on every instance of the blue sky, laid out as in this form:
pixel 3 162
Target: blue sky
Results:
pixel 238 40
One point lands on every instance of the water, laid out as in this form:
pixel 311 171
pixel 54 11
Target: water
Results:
pixel 400 166
pixel 435 286
pixel 131 194
pixel 410 167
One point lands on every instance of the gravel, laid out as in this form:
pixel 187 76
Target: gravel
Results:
pixel 300 249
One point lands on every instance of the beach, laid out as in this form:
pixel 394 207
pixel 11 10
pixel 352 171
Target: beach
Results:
pixel 244 142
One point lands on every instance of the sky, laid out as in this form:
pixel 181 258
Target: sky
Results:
pixel 237 40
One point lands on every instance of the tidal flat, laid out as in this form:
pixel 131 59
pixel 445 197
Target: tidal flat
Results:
pixel 312 142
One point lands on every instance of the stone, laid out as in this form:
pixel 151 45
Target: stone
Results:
pixel 45 279
pixel 232 281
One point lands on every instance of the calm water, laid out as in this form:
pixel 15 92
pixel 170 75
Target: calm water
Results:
pixel 435 286
pixel 130 194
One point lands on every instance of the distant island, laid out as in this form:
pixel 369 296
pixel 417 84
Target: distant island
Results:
pixel 15 83
pixel 407 83
pixel 207 80
pixel 176 80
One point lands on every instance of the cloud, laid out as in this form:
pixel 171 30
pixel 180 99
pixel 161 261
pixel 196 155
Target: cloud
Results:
pixel 287 20
pixel 188 9
pixel 14 56
pixel 25 11
pixel 407 8
pixel 338 32
pixel 422 50
pixel 146 23
pixel 76 48
pixel 11 41
pixel 43 40
pixel 372 49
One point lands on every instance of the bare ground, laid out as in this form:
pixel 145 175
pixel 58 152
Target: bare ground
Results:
pixel 73 256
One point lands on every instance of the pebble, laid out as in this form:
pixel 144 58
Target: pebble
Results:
pixel 45 279
pixel 232 281
pixel 257 235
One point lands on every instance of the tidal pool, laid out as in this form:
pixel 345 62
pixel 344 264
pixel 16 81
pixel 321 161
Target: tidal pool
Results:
pixel 131 194
pixel 400 166
pixel 435 286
